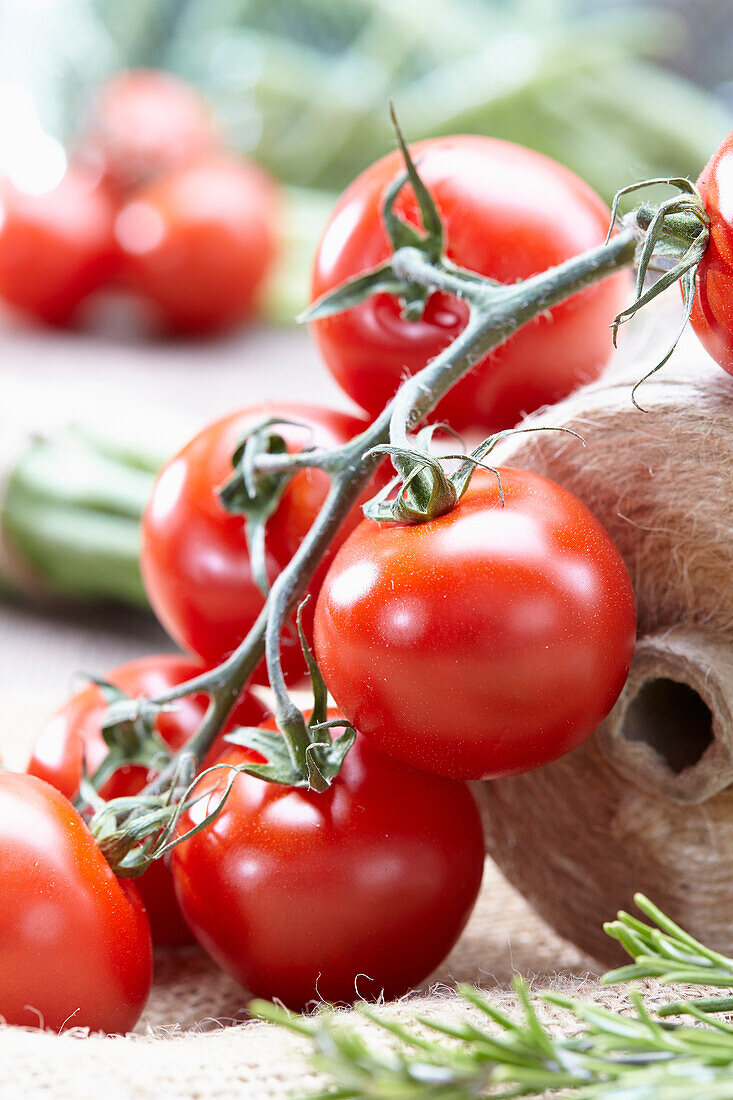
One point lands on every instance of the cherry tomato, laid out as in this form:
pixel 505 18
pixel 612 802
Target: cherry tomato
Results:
pixel 712 311
pixel 75 946
pixel 197 243
pixel 194 559
pixel 335 896
pixel 485 642
pixel 74 733
pixel 507 213
pixel 56 247
pixel 145 122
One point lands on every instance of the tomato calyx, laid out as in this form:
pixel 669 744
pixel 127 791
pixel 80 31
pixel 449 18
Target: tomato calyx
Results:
pixel 128 729
pixel 672 238
pixel 263 467
pixel 428 491
pixel 387 278
pixel 323 756
pixel 302 753
pixel 255 494
pixel 134 831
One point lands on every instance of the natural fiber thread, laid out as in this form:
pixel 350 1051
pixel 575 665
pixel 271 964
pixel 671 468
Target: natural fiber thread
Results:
pixel 578 838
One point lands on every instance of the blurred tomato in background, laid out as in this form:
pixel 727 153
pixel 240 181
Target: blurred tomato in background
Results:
pixel 55 247
pixel 142 123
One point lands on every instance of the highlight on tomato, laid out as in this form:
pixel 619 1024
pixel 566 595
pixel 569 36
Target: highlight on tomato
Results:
pixel 75 948
pixel 56 247
pixel 142 123
pixel 485 642
pixel 349 894
pixel 197 243
pixel 507 213
pixel 72 738
pixel 195 559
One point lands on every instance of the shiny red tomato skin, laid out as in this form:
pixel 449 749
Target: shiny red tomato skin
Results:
pixel 508 213
pixel 75 947
pixel 486 642
pixel 145 122
pixel 194 559
pixel 335 896
pixel 197 243
pixel 56 248
pixel 712 310
pixel 74 732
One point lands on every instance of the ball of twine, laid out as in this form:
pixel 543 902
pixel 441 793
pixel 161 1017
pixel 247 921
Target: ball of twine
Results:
pixel 646 803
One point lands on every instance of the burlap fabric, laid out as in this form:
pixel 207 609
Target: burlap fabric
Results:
pixel 191 1041
pixel 192 1044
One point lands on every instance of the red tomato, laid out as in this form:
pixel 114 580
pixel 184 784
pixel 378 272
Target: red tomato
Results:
pixel 74 732
pixel 507 213
pixel 145 122
pixel 194 558
pixel 56 247
pixel 712 311
pixel 335 896
pixel 198 242
pixel 75 946
pixel 486 642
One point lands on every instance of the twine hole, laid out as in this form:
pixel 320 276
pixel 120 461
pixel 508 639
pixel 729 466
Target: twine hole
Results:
pixel 672 719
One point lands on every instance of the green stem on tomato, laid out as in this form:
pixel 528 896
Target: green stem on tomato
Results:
pixel 496 312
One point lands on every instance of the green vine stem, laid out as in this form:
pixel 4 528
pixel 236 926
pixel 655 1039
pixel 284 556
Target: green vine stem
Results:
pixel 416 269
pixel 494 316
pixel 495 312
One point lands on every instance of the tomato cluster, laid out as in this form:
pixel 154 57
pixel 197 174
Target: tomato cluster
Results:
pixel 151 203
pixel 483 642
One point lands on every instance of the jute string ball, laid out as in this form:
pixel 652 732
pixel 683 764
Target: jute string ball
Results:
pixel 646 803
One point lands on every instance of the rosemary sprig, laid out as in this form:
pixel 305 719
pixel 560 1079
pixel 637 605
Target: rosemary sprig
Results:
pixel 632 1055
pixel 671 955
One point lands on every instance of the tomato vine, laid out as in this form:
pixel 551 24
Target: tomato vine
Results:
pixel 674 237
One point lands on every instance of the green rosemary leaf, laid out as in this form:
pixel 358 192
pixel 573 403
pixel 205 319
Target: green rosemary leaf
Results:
pixel 635 1055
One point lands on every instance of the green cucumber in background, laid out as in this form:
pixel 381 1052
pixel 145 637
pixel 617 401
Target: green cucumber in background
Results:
pixel 70 518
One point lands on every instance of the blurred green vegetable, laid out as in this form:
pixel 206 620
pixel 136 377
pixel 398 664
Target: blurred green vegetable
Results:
pixel 303 84
pixel 70 518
